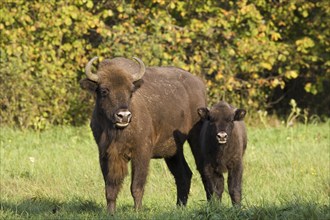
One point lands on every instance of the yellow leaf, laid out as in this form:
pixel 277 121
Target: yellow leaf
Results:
pixel 255 76
pixel 308 87
pixel 230 87
pixel 120 8
pixel 275 83
pixel 74 15
pixel 291 74
pixel 219 76
pixel 275 36
pixel 110 13
pixel 231 52
pixel 265 65
pixel 305 13
pixel 89 4
pixel 197 58
pixel 68 21
pixel 187 40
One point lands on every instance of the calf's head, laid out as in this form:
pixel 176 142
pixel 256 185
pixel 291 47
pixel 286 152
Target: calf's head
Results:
pixel 221 118
pixel 114 84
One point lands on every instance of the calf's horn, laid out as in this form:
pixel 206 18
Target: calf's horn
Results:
pixel 88 71
pixel 142 70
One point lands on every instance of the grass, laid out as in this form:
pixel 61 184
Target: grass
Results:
pixel 55 174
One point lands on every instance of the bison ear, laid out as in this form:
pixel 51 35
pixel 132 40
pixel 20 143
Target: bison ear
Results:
pixel 137 84
pixel 239 114
pixel 88 85
pixel 203 113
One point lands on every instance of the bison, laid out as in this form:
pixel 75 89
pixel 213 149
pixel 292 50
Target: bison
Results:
pixel 142 113
pixel 223 141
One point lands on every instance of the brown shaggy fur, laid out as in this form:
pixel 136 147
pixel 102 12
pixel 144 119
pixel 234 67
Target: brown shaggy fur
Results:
pixel 223 142
pixel 163 107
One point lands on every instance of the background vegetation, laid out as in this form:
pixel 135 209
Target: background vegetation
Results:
pixel 55 174
pixel 259 54
pixel 271 57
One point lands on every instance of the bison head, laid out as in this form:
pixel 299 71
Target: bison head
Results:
pixel 114 84
pixel 221 118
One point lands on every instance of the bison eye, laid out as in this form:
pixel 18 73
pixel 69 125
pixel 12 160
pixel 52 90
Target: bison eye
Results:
pixel 230 120
pixel 211 120
pixel 104 92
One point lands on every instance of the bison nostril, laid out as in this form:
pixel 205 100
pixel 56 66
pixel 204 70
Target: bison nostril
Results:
pixel 124 115
pixel 222 134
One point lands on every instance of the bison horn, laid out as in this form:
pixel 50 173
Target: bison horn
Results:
pixel 90 75
pixel 142 70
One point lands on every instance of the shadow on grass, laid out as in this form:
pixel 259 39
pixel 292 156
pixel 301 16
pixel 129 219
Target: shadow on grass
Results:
pixel 44 208
pixel 39 207
pixel 290 210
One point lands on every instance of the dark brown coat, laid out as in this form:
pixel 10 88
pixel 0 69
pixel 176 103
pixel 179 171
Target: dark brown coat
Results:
pixel 223 142
pixel 143 113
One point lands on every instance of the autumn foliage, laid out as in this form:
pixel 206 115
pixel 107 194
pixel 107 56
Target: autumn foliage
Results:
pixel 258 54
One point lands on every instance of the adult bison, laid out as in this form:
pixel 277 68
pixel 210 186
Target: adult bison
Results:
pixel 223 142
pixel 142 113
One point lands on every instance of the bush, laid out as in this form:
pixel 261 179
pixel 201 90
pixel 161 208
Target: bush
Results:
pixel 43 49
pixel 250 53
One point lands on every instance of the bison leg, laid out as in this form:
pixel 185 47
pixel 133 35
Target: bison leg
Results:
pixel 208 173
pixel 111 193
pixel 140 168
pixel 218 184
pixel 112 187
pixel 235 183
pixel 182 175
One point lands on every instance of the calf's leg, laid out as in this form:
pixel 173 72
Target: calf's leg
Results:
pixel 218 184
pixel 235 183
pixel 209 185
pixel 194 142
pixel 207 182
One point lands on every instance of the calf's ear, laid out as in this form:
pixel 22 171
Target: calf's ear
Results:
pixel 239 114
pixel 203 113
pixel 88 85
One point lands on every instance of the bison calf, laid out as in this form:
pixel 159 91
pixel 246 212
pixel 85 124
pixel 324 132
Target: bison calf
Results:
pixel 223 142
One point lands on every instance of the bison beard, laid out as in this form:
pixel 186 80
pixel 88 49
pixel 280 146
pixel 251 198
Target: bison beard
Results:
pixel 158 106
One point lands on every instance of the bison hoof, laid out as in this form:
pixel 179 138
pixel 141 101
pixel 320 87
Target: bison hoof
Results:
pixel 111 209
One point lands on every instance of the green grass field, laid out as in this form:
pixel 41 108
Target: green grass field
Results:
pixel 55 174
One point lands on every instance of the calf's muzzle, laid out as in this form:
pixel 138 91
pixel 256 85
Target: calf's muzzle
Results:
pixel 222 137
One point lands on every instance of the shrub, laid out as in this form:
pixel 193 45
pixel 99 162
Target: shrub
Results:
pixel 250 53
